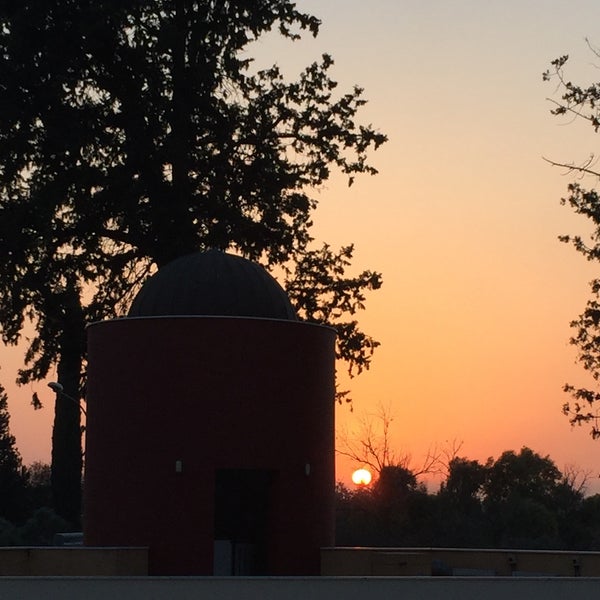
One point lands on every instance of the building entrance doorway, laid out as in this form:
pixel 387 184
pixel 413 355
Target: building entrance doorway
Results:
pixel 242 499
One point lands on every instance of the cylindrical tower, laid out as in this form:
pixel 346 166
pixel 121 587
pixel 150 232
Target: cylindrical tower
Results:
pixel 210 429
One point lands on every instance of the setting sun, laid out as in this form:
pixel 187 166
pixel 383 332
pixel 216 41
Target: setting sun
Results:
pixel 361 477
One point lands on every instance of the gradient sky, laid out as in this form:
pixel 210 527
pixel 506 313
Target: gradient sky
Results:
pixel 462 220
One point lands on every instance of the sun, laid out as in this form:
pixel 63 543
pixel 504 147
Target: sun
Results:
pixel 361 477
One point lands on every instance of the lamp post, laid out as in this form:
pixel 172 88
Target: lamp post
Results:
pixel 58 389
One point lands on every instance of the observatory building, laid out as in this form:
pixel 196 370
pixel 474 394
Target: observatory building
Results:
pixel 210 425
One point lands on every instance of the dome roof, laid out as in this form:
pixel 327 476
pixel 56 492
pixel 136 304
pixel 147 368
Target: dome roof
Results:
pixel 212 283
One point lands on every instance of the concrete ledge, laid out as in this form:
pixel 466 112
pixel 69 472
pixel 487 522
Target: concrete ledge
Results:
pixel 72 561
pixel 457 561
pixel 316 588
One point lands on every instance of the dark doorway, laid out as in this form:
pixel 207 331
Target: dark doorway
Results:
pixel 242 521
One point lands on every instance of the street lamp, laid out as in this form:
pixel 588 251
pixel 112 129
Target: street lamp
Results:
pixel 58 389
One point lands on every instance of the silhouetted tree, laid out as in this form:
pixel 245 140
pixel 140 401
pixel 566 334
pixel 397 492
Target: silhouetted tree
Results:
pixel 12 487
pixel 568 506
pixel 526 474
pixel 371 446
pixel 464 482
pixel 322 293
pixel 135 132
pixel 398 501
pixel 355 517
pixel 41 528
pixel 584 526
pixel 519 499
pixel 461 520
pixel 39 486
pixel 582 102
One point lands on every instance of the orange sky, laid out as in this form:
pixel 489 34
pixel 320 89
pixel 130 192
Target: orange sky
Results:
pixel 462 220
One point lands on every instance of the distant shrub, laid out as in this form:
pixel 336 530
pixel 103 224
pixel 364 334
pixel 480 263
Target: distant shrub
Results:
pixel 9 534
pixel 41 528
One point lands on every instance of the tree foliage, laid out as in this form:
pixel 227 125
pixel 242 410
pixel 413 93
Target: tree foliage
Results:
pixel 519 497
pixel 139 132
pixel 464 482
pixel 582 102
pixel 22 489
pixel 526 474
pixel 11 481
pixel 135 132
pixel 519 500
pixel 323 293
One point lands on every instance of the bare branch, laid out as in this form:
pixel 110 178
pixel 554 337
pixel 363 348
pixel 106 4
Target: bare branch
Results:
pixel 583 169
pixel 563 109
pixel 371 447
pixel 576 478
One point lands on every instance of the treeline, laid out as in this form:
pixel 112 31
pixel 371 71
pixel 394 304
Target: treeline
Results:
pixel 520 500
pixel 26 514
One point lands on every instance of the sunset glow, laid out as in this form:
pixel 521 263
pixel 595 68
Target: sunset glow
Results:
pixel 463 221
pixel 361 477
